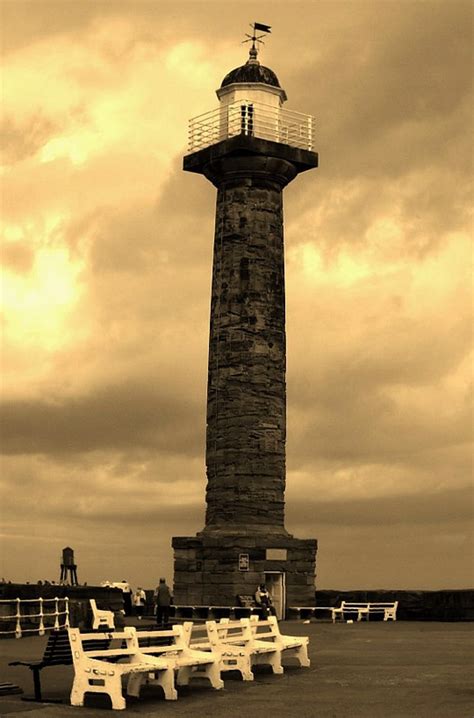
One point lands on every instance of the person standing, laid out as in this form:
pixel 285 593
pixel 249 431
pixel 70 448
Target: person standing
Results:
pixel 127 596
pixel 163 600
pixel 139 601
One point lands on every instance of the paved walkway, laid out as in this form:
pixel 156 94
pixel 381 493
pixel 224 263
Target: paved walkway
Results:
pixel 359 670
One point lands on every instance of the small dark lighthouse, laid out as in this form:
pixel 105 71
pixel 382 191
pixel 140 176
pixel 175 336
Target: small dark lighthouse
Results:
pixel 250 148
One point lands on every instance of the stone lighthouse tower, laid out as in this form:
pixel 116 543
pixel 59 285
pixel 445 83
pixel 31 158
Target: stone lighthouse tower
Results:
pixel 249 148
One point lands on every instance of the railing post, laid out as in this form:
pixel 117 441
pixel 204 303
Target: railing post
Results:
pixel 66 611
pixel 18 619
pixel 41 630
pixel 56 610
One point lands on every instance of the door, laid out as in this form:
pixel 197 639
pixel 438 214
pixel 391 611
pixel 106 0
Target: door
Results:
pixel 246 119
pixel 275 583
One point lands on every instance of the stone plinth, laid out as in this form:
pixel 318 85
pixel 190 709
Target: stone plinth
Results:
pixel 207 568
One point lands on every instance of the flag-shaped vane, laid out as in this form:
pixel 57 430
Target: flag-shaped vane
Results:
pixel 262 28
pixel 254 38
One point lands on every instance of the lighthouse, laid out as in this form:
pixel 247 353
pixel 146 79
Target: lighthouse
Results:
pixel 250 147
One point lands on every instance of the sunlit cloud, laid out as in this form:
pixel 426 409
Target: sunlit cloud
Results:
pixel 107 253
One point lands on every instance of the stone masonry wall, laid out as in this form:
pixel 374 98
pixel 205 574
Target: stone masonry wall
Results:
pixel 246 403
pixel 206 569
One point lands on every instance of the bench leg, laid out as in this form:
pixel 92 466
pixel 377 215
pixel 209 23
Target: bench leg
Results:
pixel 247 675
pixel 240 663
pixel 275 662
pixel 269 659
pixel 77 695
pixel 113 688
pixel 118 701
pixel 38 697
pixel 214 675
pixel 110 685
pixel 79 689
pixel 37 682
pixel 301 653
pixel 165 679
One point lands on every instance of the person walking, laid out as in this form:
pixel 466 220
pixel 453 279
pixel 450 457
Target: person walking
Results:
pixel 139 601
pixel 127 595
pixel 163 601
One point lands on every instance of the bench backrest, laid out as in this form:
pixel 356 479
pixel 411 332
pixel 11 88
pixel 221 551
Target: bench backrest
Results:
pixel 100 617
pixel 58 649
pixel 380 604
pixel 246 600
pixel 266 629
pixel 195 635
pixel 365 604
pixel 103 646
pixel 354 604
pixel 227 632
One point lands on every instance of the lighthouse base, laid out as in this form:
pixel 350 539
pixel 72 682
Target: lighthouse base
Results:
pixel 214 569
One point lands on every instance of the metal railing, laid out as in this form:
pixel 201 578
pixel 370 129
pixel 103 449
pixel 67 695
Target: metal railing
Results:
pixel 254 119
pixel 44 620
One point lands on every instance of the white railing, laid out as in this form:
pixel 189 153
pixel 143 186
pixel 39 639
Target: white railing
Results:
pixel 45 620
pixel 254 119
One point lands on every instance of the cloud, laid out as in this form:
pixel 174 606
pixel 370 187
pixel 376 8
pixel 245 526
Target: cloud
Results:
pixel 129 416
pixel 107 269
pixel 22 141
pixel 450 505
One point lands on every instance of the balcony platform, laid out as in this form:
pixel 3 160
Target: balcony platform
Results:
pixel 242 144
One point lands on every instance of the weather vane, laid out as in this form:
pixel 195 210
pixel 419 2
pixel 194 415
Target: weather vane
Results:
pixel 257 26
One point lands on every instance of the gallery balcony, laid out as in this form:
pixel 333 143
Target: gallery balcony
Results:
pixel 252 119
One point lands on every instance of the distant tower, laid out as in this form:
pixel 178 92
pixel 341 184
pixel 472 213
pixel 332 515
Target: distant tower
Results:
pixel 250 148
pixel 68 566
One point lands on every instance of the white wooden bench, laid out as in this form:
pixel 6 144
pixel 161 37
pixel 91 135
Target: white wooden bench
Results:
pixel 233 644
pixel 100 617
pixel 172 645
pixel 293 646
pixel 364 609
pixel 97 668
pixel 388 608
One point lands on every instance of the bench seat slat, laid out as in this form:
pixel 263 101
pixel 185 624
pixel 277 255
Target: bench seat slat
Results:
pixel 110 652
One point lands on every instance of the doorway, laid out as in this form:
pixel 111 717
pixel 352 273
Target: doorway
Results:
pixel 275 583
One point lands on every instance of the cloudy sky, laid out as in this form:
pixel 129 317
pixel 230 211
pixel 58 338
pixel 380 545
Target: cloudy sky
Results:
pixel 107 253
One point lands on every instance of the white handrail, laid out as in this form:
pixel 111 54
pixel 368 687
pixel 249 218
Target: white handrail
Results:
pixel 245 117
pixel 42 627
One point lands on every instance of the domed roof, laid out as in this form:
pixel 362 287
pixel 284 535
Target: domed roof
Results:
pixel 252 71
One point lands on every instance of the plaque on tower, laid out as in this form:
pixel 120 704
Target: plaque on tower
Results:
pixel 276 554
pixel 244 562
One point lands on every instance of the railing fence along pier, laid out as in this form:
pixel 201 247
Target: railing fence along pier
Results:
pixel 44 619
pixel 255 119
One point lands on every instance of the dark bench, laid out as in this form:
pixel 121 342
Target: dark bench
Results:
pixel 246 601
pixel 56 653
